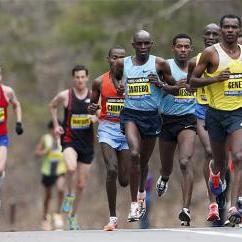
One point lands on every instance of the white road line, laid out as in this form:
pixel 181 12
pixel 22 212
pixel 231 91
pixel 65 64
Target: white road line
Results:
pixel 231 235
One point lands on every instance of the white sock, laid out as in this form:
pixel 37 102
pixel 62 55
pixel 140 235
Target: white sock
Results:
pixel 113 219
pixel 141 195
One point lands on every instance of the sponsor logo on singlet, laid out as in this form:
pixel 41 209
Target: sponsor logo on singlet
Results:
pixel 80 121
pixel 2 115
pixel 114 106
pixel 184 96
pixel 233 86
pixel 138 87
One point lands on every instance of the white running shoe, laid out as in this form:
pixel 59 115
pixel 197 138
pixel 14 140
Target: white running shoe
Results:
pixel 133 212
pixel 112 225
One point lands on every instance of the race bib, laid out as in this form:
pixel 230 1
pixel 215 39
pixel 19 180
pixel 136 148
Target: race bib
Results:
pixel 138 87
pixel 114 106
pixel 184 96
pixel 80 121
pixel 233 86
pixel 2 115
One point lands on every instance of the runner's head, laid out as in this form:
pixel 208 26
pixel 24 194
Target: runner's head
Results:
pixel 50 126
pixel 114 54
pixel 142 44
pixel 80 77
pixel 211 34
pixel 230 28
pixel 182 47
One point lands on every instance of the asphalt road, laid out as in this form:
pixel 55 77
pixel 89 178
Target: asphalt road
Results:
pixel 159 235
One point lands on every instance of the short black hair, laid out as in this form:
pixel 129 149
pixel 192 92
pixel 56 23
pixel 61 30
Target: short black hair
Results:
pixel 229 16
pixel 181 36
pixel 116 47
pixel 50 124
pixel 79 68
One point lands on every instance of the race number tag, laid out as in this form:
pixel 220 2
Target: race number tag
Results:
pixel 184 96
pixel 2 115
pixel 233 86
pixel 114 106
pixel 80 121
pixel 138 87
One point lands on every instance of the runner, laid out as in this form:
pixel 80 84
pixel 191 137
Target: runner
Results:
pixel 77 138
pixel 140 119
pixel 113 143
pixel 179 126
pixel 7 96
pixel 211 36
pixel 53 170
pixel 223 66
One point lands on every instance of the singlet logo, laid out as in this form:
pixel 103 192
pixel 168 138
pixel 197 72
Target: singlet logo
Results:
pixel 233 86
pixel 114 106
pixel 184 96
pixel 80 121
pixel 2 115
pixel 138 87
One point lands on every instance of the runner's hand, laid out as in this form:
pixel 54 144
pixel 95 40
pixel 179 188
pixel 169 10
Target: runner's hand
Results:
pixel 154 79
pixel 58 130
pixel 120 89
pixel 92 108
pixel 19 129
pixel 223 76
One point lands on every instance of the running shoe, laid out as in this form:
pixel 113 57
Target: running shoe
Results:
pixel 185 217
pixel 133 212
pixel 112 225
pixel 213 212
pixel 228 224
pixel 46 223
pixel 215 183
pixel 234 215
pixel 73 223
pixel 185 223
pixel 141 204
pixel 58 221
pixel 161 187
pixel 67 203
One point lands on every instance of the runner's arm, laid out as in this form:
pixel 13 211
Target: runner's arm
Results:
pixel 16 105
pixel 197 81
pixel 164 71
pixel 17 109
pixel 96 90
pixel 40 149
pixel 58 100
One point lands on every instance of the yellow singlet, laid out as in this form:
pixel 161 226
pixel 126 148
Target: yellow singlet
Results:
pixel 226 95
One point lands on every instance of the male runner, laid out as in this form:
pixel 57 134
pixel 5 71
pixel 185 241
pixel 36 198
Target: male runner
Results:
pixel 211 34
pixel 113 143
pixel 179 126
pixel 140 119
pixel 52 170
pixel 7 96
pixel 223 65
pixel 77 138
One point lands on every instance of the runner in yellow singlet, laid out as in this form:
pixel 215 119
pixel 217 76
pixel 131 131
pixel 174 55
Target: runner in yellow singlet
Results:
pixel 211 34
pixel 53 170
pixel 223 65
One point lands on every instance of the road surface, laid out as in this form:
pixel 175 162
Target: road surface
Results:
pixel 159 235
